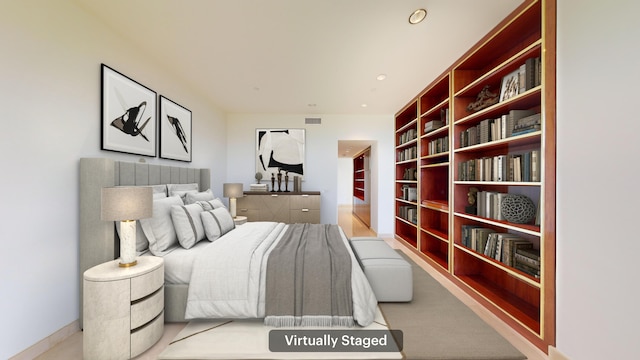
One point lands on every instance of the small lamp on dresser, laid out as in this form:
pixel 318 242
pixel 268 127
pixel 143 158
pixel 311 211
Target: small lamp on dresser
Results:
pixel 127 204
pixel 232 191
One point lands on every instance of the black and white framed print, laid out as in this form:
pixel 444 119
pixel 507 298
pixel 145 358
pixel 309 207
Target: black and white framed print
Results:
pixel 128 115
pixel 175 131
pixel 280 149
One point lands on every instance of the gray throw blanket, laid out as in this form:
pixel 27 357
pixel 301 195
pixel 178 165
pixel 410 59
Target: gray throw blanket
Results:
pixel 308 280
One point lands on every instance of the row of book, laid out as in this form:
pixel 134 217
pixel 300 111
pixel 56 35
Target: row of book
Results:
pixel 408 153
pixel 438 145
pixel 407 136
pixel 258 187
pixel 510 249
pixel 530 74
pixel 409 213
pixel 489 205
pixel 516 122
pixel 523 167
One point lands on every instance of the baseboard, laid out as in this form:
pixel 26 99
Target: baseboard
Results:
pixel 555 354
pixel 49 342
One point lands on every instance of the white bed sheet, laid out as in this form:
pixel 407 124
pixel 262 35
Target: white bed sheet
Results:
pixel 178 263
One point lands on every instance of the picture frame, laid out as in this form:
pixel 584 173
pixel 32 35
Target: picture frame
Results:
pixel 175 131
pixel 128 115
pixel 510 85
pixel 280 149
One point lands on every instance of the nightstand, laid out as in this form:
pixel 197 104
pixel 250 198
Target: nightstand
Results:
pixel 123 308
pixel 239 220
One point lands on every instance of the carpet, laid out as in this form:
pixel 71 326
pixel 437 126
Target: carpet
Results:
pixel 436 325
pixel 249 339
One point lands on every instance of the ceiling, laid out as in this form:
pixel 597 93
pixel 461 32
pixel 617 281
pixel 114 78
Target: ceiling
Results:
pixel 302 56
pixel 285 56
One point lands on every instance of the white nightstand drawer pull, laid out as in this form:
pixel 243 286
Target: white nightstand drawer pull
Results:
pixel 305 195
pixel 305 210
pixel 274 195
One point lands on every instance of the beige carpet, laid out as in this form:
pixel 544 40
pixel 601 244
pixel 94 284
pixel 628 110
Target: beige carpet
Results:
pixel 249 339
pixel 437 325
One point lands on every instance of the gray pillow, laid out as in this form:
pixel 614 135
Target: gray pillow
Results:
pixel 159 228
pixel 217 222
pixel 211 204
pixel 192 198
pixel 188 224
pixel 181 189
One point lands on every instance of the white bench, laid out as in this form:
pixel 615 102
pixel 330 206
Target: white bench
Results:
pixel 388 273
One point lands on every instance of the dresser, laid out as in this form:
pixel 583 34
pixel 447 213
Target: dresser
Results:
pixel 123 308
pixel 286 207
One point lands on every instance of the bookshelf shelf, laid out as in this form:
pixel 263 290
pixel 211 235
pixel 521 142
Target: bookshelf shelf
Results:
pixel 464 157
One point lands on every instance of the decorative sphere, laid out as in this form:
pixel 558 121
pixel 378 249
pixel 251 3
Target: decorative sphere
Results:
pixel 518 208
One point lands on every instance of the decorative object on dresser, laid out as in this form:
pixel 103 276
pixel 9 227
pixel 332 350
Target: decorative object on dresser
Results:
pixel 232 191
pixel 280 149
pixel 128 115
pixel 175 131
pixel 258 177
pixel 127 204
pixel 123 308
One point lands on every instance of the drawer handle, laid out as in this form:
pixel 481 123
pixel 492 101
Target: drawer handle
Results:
pixel 305 210
pixel 305 195
pixel 274 195
pixel 243 210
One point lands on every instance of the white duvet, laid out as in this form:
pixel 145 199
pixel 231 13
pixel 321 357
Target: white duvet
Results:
pixel 228 277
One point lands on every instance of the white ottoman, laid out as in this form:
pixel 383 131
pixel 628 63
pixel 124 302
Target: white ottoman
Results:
pixel 388 273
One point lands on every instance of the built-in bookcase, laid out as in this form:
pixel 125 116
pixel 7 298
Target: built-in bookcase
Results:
pixel 471 156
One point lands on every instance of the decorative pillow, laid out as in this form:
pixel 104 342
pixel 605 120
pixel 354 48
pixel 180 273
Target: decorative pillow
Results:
pixel 211 204
pixel 188 224
pixel 217 222
pixel 192 198
pixel 159 228
pixel 159 191
pixel 181 189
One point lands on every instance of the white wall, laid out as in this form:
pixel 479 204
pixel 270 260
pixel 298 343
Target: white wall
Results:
pixel 597 179
pixel 50 101
pixel 322 157
pixel 345 181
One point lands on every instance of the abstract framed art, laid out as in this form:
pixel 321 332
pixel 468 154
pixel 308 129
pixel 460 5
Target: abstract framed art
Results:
pixel 280 149
pixel 128 115
pixel 175 131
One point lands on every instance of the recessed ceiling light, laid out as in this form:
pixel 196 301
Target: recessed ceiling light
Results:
pixel 381 77
pixel 417 16
pixel 364 105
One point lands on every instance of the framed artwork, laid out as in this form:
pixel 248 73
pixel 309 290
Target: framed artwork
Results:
pixel 128 115
pixel 175 131
pixel 510 85
pixel 280 149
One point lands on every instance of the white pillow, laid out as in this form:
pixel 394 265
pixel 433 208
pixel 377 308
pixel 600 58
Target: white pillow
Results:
pixel 159 191
pixel 217 222
pixel 211 204
pixel 181 189
pixel 159 228
pixel 192 198
pixel 188 224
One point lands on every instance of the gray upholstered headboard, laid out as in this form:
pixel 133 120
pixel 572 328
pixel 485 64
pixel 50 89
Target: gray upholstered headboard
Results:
pixel 97 239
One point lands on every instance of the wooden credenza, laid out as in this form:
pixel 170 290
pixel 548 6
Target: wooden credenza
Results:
pixel 286 207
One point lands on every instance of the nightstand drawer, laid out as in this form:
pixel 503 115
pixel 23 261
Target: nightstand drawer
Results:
pixel 144 311
pixel 143 338
pixel 146 284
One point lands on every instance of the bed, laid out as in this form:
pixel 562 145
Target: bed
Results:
pixel 98 244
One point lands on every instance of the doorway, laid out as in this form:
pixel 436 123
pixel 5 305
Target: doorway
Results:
pixel 355 190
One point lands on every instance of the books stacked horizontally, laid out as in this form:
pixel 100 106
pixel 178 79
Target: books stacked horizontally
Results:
pixel 258 187
pixel 510 249
pixel 516 122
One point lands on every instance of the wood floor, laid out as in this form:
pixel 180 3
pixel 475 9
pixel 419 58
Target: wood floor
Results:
pixel 71 348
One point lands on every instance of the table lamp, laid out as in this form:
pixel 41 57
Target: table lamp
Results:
pixel 232 191
pixel 127 204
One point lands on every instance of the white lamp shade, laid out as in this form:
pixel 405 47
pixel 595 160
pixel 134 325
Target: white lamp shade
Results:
pixel 232 190
pixel 127 203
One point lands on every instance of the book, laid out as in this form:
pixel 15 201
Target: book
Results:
pixel 535 165
pixel 526 130
pixel 513 116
